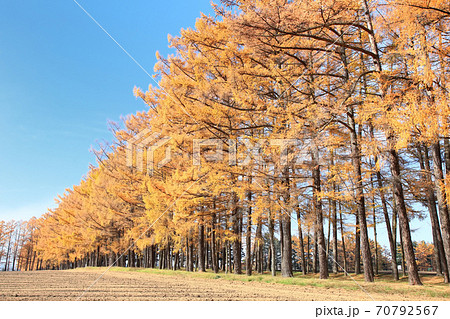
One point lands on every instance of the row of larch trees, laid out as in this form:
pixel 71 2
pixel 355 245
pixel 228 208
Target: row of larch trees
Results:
pixel 16 244
pixel 294 129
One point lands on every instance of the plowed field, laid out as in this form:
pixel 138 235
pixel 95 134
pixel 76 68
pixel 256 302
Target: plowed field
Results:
pixel 133 285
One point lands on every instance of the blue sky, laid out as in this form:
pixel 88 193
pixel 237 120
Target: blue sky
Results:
pixel 62 79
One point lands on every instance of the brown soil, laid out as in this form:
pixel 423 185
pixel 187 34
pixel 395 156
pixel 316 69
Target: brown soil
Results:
pixel 70 285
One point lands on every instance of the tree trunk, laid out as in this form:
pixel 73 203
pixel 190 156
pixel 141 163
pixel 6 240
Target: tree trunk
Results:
pixel 300 238
pixel 248 237
pixel 153 249
pixel 259 247
pixel 391 237
pixel 280 227
pixel 405 232
pixel 32 262
pixel 112 259
pixel 375 236
pixel 328 238
pixel 323 262
pixel 8 252
pixel 191 257
pixel 374 213
pixel 187 268
pixel 308 248
pixel 176 260
pixel 1 252
pixel 286 256
pixel 228 258
pixel 215 261
pixel 16 248
pixel 441 260
pixel 201 247
pixel 441 199
pixel 273 265
pixel 207 250
pixel 394 162
pixel 315 256
pixel 285 216
pixel 447 155
pixel 343 239
pixel 335 235
pixel 237 256
pixel 357 247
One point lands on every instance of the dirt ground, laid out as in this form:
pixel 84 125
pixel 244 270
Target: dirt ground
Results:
pixel 70 285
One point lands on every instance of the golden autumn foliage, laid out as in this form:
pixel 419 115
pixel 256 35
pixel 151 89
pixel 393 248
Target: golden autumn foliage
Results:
pixel 282 119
